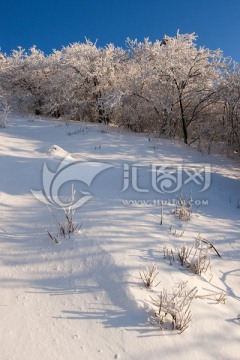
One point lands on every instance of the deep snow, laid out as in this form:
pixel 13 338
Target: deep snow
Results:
pixel 82 298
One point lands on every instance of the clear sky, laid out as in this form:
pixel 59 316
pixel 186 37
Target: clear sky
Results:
pixel 52 24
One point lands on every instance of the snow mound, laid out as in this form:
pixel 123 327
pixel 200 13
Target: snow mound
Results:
pixel 56 150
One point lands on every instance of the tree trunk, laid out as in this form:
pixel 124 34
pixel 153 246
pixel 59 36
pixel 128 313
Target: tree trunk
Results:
pixel 184 126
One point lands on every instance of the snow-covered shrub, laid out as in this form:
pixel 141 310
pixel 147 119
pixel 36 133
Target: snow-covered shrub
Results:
pixel 172 309
pixel 169 255
pixel 184 253
pixel 183 208
pixel 68 227
pixel 194 258
pixel 149 275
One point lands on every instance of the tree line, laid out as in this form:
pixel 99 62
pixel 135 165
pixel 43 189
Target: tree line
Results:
pixel 170 87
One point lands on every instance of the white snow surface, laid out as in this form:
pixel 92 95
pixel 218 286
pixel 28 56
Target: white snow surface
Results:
pixel 82 298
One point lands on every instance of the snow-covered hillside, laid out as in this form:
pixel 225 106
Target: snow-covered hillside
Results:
pixel 83 298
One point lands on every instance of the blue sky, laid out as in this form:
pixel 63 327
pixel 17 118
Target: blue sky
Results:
pixel 52 24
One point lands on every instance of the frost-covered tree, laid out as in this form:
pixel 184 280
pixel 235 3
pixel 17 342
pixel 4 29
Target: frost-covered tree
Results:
pixel 194 73
pixel 22 78
pixel 169 87
pixel 229 92
pixel 81 76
